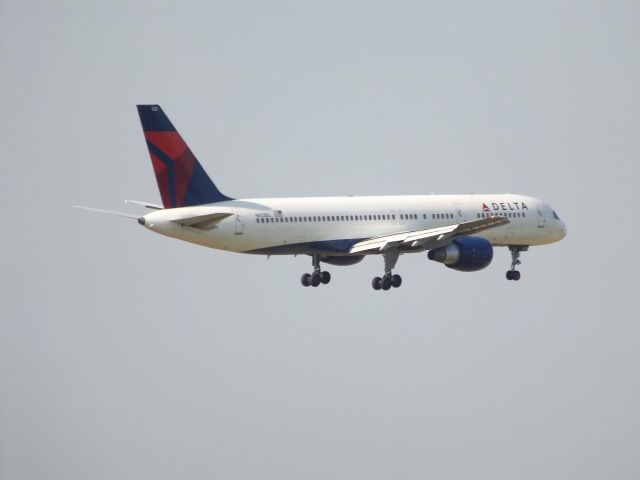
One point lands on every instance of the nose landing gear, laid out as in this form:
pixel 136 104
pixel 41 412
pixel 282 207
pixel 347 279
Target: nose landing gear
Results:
pixel 515 250
pixel 317 277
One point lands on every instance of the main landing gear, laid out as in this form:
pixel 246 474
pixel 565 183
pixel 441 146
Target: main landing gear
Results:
pixel 515 250
pixel 317 277
pixel 388 280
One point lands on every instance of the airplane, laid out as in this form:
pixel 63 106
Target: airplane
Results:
pixel 459 231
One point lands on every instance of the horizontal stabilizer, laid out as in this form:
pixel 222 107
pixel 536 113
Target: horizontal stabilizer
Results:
pixel 110 212
pixel 203 222
pixel 152 206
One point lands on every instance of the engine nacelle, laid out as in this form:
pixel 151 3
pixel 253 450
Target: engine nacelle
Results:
pixel 342 260
pixel 466 254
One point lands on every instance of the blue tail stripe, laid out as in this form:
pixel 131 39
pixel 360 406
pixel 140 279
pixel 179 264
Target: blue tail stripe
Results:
pixel 202 189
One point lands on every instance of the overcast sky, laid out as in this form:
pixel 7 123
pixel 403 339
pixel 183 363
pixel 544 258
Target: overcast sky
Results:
pixel 128 355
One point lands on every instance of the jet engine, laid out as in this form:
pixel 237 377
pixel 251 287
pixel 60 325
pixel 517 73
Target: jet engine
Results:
pixel 466 254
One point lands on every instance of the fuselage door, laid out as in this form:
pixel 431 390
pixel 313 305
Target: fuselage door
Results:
pixel 459 212
pixel 541 219
pixel 239 225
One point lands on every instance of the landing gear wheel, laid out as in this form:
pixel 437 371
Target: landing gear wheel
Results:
pixel 315 279
pixel 396 281
pixel 513 275
pixel 386 283
pixel 376 283
pixel 325 277
pixel 305 280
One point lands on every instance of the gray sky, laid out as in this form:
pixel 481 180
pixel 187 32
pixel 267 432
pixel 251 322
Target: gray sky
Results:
pixel 124 354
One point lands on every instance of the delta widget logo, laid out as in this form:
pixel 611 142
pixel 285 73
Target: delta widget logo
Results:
pixel 504 206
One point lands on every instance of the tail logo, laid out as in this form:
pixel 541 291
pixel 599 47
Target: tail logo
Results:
pixel 181 179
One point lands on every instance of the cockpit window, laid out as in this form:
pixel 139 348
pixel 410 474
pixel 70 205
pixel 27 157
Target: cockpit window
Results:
pixel 555 215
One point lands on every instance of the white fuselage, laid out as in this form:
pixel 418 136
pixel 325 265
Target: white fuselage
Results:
pixel 328 225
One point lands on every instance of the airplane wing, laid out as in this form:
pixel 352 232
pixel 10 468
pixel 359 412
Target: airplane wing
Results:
pixel 426 239
pixel 202 222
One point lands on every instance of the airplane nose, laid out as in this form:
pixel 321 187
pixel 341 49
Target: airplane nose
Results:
pixel 562 230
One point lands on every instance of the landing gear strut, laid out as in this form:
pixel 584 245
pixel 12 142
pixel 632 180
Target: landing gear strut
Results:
pixel 515 250
pixel 317 277
pixel 388 280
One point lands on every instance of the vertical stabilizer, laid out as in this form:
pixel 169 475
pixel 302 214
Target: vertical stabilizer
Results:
pixel 181 179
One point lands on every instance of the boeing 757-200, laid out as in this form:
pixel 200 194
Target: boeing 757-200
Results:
pixel 459 231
